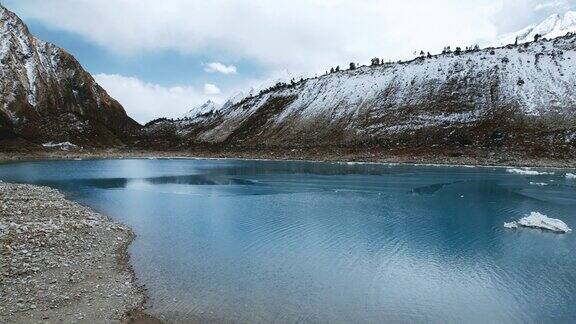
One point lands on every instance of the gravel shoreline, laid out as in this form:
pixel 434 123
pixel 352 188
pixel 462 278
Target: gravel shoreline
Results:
pixel 324 155
pixel 60 262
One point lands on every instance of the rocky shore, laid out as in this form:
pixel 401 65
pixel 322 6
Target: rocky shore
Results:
pixel 328 154
pixel 61 262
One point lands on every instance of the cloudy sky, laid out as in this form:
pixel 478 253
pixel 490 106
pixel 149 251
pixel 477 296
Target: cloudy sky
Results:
pixel 161 57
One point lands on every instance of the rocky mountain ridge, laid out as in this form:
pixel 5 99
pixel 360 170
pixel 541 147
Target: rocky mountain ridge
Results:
pixel 512 99
pixel 46 95
pixel 519 98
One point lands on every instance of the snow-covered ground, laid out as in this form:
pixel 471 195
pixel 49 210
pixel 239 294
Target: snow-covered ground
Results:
pixel 538 220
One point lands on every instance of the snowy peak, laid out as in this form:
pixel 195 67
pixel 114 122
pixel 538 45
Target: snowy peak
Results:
pixel 211 106
pixel 46 95
pixel 554 26
pixel 238 97
pixel 207 107
pixel 10 22
pixel 27 56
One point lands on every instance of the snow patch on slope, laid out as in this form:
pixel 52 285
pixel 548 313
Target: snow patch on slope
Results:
pixel 26 56
pixel 64 146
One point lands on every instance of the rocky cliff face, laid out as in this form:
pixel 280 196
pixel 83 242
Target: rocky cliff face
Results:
pixel 46 95
pixel 520 98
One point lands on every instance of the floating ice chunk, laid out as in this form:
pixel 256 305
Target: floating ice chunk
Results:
pixel 527 172
pixel 540 184
pixel 511 225
pixel 570 176
pixel 538 220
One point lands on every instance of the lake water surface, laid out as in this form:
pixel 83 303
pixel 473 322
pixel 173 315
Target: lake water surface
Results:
pixel 261 242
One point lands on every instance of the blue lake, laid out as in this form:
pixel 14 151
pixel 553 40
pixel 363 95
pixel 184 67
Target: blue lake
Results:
pixel 261 242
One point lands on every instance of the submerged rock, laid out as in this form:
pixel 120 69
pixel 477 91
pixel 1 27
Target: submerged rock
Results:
pixel 538 220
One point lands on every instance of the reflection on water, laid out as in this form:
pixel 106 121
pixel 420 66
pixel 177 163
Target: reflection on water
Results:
pixel 199 180
pixel 247 241
pixel 195 180
pixel 432 189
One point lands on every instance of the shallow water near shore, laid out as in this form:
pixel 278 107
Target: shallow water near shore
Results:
pixel 263 241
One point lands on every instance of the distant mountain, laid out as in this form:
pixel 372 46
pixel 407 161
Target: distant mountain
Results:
pixel 554 26
pixel 510 99
pixel 207 107
pixel 46 95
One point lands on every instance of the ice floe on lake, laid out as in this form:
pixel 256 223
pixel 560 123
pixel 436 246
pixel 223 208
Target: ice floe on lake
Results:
pixel 539 184
pixel 528 172
pixel 538 220
pixel 511 225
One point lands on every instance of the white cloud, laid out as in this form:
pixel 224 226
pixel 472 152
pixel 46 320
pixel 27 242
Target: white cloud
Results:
pixel 211 89
pixel 550 5
pixel 300 35
pixel 220 68
pixel 514 15
pixel 146 101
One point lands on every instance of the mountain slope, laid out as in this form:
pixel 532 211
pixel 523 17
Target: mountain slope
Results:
pixel 46 95
pixel 554 26
pixel 513 98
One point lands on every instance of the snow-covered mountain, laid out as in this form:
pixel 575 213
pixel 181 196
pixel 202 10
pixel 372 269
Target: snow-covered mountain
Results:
pixel 46 95
pixel 237 97
pixel 521 97
pixel 205 108
pixel 513 99
pixel 554 26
